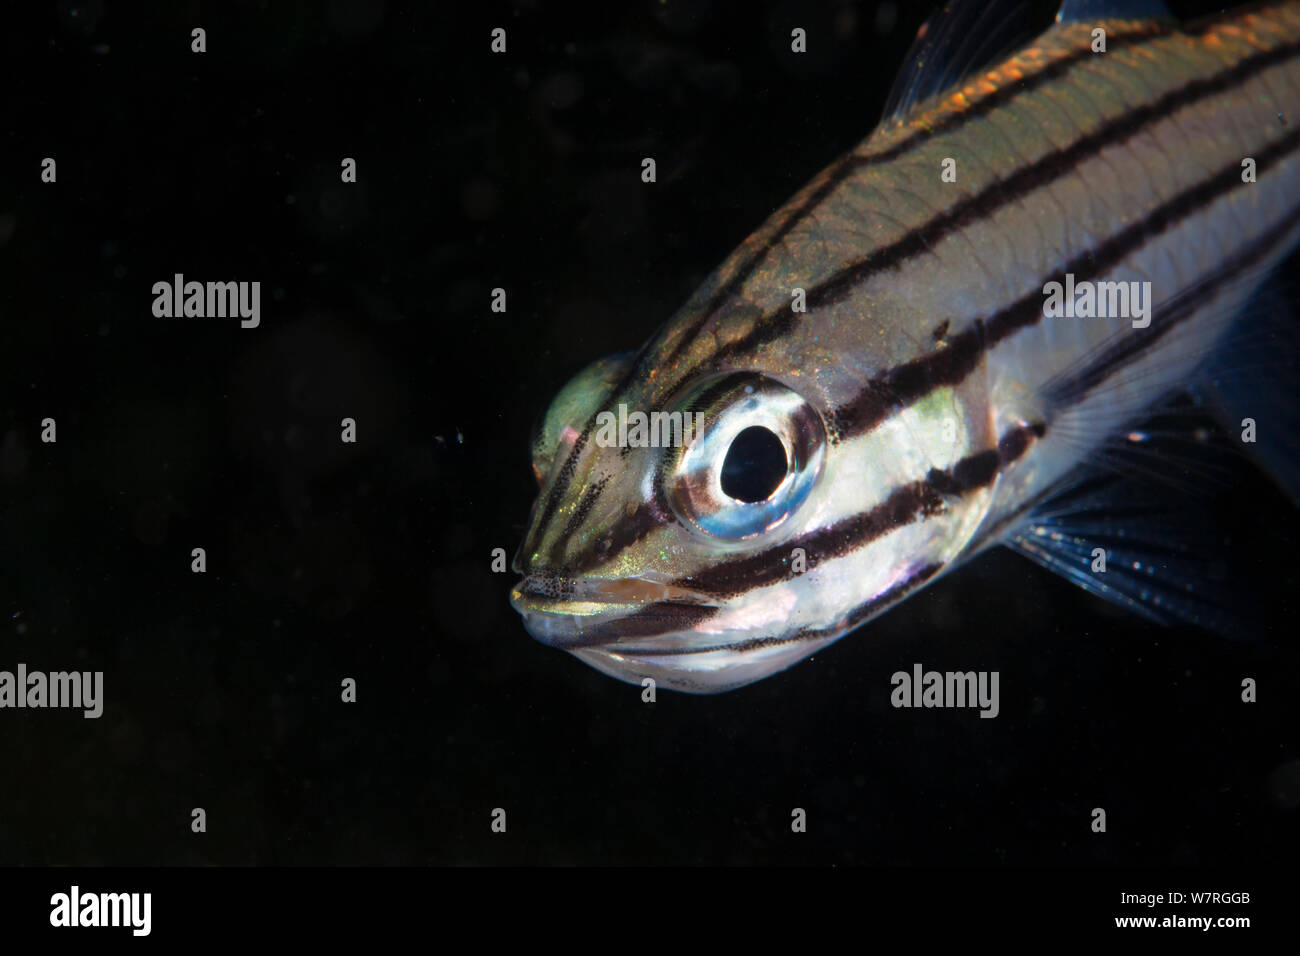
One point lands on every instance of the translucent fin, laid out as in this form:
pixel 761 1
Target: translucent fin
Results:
pixel 1252 385
pixel 1178 446
pixel 1202 554
pixel 1138 371
pixel 964 36
pixel 960 38
pixel 1168 565
pixel 1077 11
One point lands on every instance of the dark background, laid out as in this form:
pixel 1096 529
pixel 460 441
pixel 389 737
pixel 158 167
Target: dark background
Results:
pixel 371 561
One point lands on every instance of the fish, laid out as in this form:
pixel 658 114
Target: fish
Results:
pixel 925 353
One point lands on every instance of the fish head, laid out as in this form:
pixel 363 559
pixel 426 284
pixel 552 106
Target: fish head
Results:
pixel 709 537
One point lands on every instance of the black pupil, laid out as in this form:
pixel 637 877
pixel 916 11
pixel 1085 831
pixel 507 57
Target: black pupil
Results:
pixel 755 465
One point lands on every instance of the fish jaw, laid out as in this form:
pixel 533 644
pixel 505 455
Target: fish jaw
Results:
pixel 683 641
pixel 701 643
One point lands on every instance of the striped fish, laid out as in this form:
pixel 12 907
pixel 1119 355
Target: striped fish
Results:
pixel 885 387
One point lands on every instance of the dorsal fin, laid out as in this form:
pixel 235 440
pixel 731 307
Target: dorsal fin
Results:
pixel 957 40
pixel 1075 11
pixel 964 36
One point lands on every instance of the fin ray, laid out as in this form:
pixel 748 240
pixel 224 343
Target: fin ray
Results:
pixel 1156 563
pixel 958 39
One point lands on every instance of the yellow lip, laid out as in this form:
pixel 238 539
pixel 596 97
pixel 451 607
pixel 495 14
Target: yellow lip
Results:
pixel 598 595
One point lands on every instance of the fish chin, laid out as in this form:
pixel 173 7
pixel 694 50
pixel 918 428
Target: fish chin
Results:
pixel 705 671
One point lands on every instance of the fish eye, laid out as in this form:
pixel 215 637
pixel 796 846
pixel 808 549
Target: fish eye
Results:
pixel 755 465
pixel 753 462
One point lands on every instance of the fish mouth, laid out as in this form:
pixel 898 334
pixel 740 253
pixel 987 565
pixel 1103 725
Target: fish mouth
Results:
pixel 589 612
pixel 638 629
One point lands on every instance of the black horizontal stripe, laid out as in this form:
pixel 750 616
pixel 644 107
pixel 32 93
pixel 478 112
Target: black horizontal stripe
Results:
pixel 835 174
pixel 585 504
pixel 559 486
pixel 1002 193
pixel 653 620
pixel 904 384
pixel 1004 94
pixel 645 517
pixel 871 608
pixel 907 383
pixel 1016 442
pixel 1042 172
pixel 973 472
pixel 1142 32
pixel 902 506
pixel 851 163
pixel 855 617
pixel 564 478
pixel 637 526
pixel 1129 346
